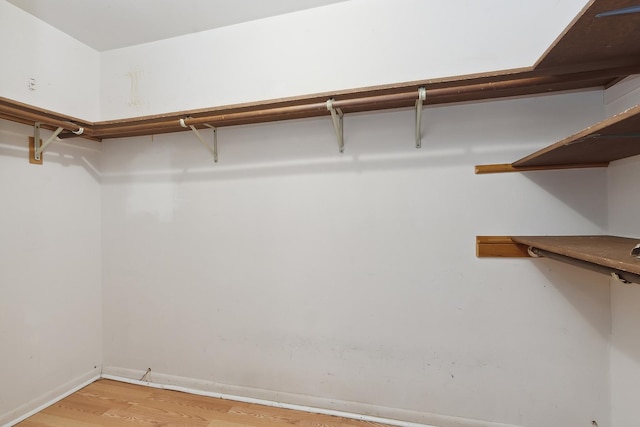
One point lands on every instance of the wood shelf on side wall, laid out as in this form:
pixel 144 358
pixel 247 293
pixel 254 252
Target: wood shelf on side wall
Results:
pixel 605 254
pixel 615 138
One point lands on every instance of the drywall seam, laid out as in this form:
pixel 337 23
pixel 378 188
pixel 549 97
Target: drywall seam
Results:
pixel 48 399
pixel 353 410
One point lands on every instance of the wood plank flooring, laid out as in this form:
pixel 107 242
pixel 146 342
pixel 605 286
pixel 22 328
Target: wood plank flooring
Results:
pixel 114 403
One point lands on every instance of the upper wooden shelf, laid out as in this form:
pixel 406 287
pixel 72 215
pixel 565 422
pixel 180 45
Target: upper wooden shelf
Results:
pixel 591 52
pixel 612 139
pixel 609 251
pixel 497 84
pixel 592 42
pixel 589 43
pixel 605 254
pixel 615 138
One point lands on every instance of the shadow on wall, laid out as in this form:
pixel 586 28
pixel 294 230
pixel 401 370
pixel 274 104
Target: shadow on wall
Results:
pixel 453 135
pixel 586 291
pixel 626 318
pixel 461 134
pixel 14 143
pixel 590 203
pixel 379 141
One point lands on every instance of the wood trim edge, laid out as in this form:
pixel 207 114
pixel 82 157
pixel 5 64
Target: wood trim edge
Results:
pixel 499 246
pixel 509 167
pixel 539 63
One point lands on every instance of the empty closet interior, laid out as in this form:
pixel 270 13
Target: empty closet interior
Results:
pixel 410 212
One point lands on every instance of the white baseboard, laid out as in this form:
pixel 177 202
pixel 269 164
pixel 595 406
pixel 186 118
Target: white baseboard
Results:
pixel 36 405
pixel 354 410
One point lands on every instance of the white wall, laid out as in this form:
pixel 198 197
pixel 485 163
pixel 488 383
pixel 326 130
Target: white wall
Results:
pixel 623 177
pixel 67 72
pixel 624 95
pixel 290 272
pixel 624 210
pixel 50 257
pixel 347 45
pixel 50 271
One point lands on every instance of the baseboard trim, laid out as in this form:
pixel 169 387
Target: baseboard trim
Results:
pixel 352 410
pixel 33 407
pixel 268 402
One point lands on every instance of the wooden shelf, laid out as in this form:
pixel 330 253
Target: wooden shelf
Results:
pixel 612 139
pixel 609 251
pixel 591 52
pixel 615 138
pixel 589 43
pixel 491 85
pixel 592 42
pixel 605 254
pixel 499 246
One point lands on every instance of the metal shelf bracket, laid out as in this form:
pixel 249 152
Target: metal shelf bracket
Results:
pixel 39 149
pixel 422 95
pixel 213 150
pixel 620 275
pixel 620 279
pixel 533 253
pixel 337 119
pixel 36 149
pixel 36 140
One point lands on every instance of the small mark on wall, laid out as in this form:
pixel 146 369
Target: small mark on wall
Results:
pixel 134 93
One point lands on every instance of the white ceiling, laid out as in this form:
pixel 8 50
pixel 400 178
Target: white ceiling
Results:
pixel 110 24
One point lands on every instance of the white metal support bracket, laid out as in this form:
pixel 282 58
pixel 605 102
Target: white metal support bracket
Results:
pixel 40 149
pixel 422 95
pixel 215 142
pixel 620 279
pixel 213 150
pixel 337 118
pixel 36 149
pixel 36 140
pixel 532 253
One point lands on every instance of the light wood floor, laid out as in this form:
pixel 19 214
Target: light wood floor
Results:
pixel 113 403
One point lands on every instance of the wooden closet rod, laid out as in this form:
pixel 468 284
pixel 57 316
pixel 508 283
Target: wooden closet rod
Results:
pixel 315 109
pixel 435 94
pixel 403 95
pixel 599 268
pixel 21 115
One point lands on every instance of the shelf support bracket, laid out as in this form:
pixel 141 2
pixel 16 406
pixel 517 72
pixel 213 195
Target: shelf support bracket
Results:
pixel 620 275
pixel 36 140
pixel 35 144
pixel 215 142
pixel 36 149
pixel 40 149
pixel 213 150
pixel 337 119
pixel 422 95
pixel 620 279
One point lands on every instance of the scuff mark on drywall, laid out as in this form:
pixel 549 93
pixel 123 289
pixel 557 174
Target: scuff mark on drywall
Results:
pixel 135 100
